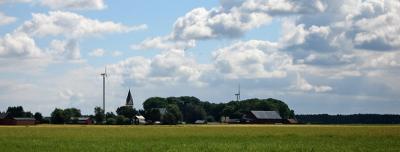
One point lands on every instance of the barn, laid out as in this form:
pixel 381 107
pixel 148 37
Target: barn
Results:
pixel 4 120
pixel 265 117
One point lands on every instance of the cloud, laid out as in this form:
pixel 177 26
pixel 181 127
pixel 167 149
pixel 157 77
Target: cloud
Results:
pixel 170 67
pixel 74 4
pixel 4 19
pixel 164 43
pixel 252 59
pixel 71 25
pixel 97 53
pixel 235 18
pixel 15 1
pixel 200 23
pixel 19 44
pixel 64 49
pixel 116 53
pixel 303 85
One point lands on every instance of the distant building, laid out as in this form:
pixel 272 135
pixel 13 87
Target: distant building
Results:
pixel 81 120
pixel 138 119
pixel 129 99
pixel 267 117
pixel 4 120
pixel 200 122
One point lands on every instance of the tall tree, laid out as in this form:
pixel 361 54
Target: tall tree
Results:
pixel 153 115
pixel 57 116
pixel 98 115
pixel 15 112
pixel 154 102
pixel 38 116
pixel 69 113
pixel 173 115
pixel 127 111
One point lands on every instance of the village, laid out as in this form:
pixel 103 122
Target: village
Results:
pixel 171 111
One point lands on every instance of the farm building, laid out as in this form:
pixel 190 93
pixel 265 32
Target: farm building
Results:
pixel 4 120
pixel 81 120
pixel 267 117
pixel 138 119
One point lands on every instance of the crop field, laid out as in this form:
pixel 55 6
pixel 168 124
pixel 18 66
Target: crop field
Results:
pixel 191 138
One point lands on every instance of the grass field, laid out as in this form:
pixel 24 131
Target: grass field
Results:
pixel 200 138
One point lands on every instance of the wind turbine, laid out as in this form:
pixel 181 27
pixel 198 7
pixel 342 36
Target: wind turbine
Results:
pixel 104 89
pixel 238 94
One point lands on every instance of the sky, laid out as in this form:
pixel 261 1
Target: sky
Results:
pixel 318 56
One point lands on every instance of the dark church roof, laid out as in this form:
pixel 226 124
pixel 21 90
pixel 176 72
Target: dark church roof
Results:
pixel 129 99
pixel 266 114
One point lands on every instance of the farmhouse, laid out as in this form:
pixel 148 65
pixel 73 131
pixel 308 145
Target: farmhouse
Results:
pixel 4 120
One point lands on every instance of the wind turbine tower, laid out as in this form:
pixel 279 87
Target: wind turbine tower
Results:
pixel 104 89
pixel 238 94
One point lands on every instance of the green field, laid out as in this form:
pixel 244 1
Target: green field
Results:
pixel 200 138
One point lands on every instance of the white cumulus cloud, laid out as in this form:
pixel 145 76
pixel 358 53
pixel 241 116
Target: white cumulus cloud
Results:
pixel 75 4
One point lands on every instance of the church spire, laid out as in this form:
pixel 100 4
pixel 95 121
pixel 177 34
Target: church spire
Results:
pixel 129 99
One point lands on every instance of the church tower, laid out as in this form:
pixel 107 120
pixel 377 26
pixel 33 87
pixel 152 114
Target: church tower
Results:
pixel 129 99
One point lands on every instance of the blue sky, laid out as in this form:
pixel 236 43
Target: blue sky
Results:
pixel 318 56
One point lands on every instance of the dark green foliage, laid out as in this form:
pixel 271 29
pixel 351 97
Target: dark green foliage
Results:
pixel 110 115
pixel 154 102
pixel 38 116
pixel 173 115
pixel 111 121
pixel 193 109
pixel 193 112
pixel 69 113
pixel 210 119
pixel 169 119
pixel 127 111
pixel 98 115
pixel 18 112
pixel 349 119
pixel 153 115
pixel 122 120
pixel 57 116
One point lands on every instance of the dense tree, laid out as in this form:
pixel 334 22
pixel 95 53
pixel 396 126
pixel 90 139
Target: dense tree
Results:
pixel 349 119
pixel 153 115
pixel 193 112
pixel 122 120
pixel 69 113
pixel 193 109
pixel 127 111
pixel 98 115
pixel 169 119
pixel 154 102
pixel 57 116
pixel 18 111
pixel 110 115
pixel 111 121
pixel 173 115
pixel 38 116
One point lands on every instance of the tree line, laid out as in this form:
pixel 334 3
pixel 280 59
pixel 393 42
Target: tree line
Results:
pixel 19 112
pixel 171 110
pixel 189 109
pixel 349 119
